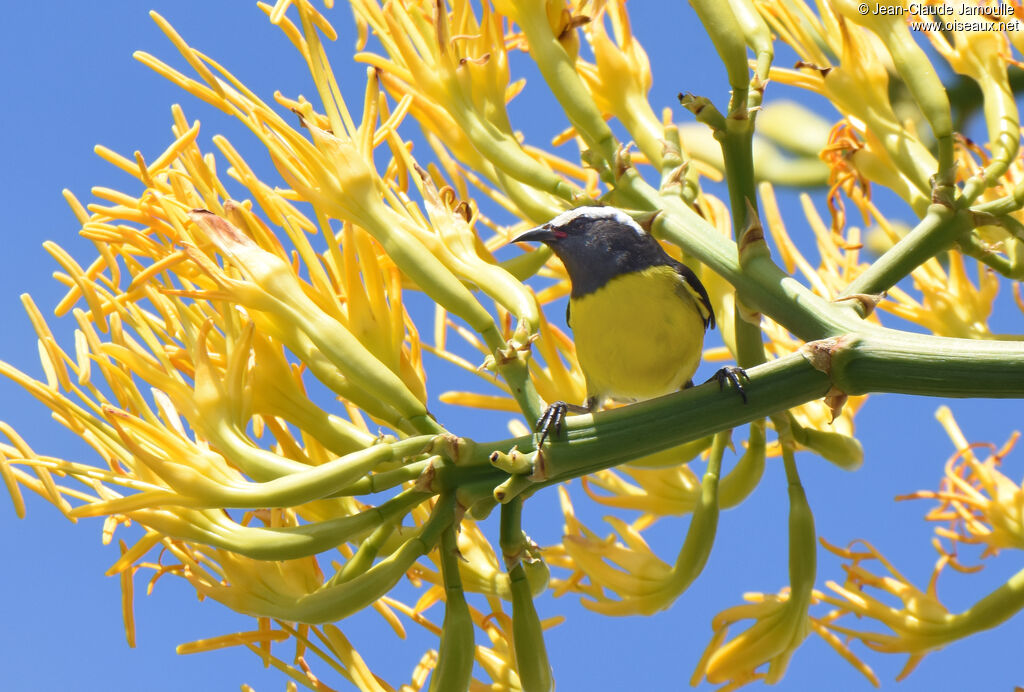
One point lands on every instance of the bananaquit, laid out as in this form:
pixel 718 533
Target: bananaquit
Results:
pixel 638 316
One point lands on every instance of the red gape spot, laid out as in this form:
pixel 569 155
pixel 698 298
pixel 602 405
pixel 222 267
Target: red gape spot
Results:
pixel 561 234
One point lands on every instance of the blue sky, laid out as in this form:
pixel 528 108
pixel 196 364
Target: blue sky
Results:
pixel 71 83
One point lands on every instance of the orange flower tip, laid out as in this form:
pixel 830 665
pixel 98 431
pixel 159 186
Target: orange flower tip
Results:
pixel 223 234
pixel 113 412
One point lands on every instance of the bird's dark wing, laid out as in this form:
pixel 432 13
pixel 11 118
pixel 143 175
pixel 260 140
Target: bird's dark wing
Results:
pixel 699 293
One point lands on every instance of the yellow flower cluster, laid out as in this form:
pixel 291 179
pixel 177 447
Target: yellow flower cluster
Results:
pixel 202 329
pixel 246 370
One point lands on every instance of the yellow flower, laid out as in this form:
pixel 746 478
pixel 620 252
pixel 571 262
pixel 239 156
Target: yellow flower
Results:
pixel 978 504
pixel 458 64
pixel 660 491
pixel 620 78
pixel 951 304
pixel 922 624
pixel 781 622
pixel 780 627
pixel 859 87
pixel 627 567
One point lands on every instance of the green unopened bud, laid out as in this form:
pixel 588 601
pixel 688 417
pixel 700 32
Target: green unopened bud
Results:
pixel 744 477
pixel 842 450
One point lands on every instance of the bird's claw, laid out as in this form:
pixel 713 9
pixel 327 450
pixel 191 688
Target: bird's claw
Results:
pixel 551 421
pixel 734 376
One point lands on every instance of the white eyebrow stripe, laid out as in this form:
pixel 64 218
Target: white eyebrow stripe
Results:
pixel 596 213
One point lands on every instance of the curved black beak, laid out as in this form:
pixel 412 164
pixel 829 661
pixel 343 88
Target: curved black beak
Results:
pixel 540 234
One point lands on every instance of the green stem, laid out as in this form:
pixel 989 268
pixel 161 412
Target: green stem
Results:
pixel 527 634
pixel 456 653
pixel 972 246
pixel 937 231
pixel 215 529
pixel 994 609
pixel 727 36
pixel 1004 205
pixel 516 374
pixel 331 603
pixel 700 537
pixel 366 554
pixel 876 360
pixel 802 541
pixel 560 74
pixel 737 154
pixel 759 37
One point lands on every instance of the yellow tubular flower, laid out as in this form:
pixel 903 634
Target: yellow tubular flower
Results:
pixel 978 504
pixel 669 491
pixel 244 365
pixel 917 72
pixel 449 220
pixel 277 294
pixel 629 568
pixel 227 349
pixel 858 86
pixel 781 622
pixel 777 631
pixel 458 63
pixel 981 55
pixel 621 77
pixel 950 304
pixel 920 625
pixel 643 583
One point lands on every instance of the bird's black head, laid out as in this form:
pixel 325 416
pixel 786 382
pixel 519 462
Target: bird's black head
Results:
pixel 597 244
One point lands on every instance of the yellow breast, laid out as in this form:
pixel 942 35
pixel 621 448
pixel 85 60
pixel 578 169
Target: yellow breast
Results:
pixel 639 336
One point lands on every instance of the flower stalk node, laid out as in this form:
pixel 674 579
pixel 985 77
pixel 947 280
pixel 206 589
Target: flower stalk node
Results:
pixel 513 462
pixel 820 353
pixel 866 303
pixel 752 244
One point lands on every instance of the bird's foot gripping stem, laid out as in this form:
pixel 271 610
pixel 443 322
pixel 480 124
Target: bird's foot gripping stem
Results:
pixel 553 417
pixel 734 376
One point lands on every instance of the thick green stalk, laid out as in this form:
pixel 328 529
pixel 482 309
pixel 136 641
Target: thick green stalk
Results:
pixel 876 360
pixel 892 361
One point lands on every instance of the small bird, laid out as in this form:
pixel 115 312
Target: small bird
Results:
pixel 638 316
